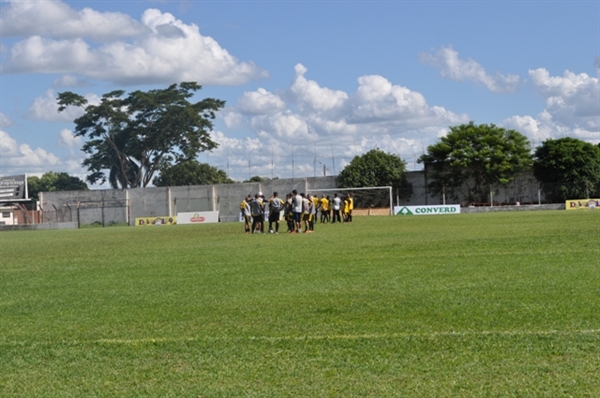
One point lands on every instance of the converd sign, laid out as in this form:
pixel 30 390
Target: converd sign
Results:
pixel 426 210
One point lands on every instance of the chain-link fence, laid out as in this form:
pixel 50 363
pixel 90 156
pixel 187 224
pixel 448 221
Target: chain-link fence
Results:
pixel 103 213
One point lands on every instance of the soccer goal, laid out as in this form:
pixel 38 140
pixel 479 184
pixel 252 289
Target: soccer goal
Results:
pixel 367 200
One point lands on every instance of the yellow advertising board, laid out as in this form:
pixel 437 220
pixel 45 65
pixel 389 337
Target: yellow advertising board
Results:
pixel 582 204
pixel 151 221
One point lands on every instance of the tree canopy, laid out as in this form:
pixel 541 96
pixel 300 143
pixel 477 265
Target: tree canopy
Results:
pixel 257 179
pixel 569 167
pixel 131 137
pixel 54 181
pixel 471 158
pixel 191 173
pixel 374 169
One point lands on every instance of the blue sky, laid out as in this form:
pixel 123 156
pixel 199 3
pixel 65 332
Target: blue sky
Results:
pixel 307 83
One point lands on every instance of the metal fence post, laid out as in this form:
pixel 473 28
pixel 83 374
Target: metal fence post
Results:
pixel 55 213
pixel 70 212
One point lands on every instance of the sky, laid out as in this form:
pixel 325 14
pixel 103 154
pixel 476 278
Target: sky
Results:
pixel 308 85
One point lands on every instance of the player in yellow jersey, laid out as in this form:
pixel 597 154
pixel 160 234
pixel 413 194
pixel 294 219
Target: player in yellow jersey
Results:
pixel 245 211
pixel 315 202
pixel 345 209
pixel 312 214
pixel 350 207
pixel 324 206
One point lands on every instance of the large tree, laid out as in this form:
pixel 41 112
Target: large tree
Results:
pixel 570 168
pixel 471 158
pixel 191 173
pixel 54 181
pixel 376 168
pixel 131 136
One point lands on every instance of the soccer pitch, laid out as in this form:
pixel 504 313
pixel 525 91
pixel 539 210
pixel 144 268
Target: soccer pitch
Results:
pixel 471 305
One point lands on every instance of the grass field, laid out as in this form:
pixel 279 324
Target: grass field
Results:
pixel 498 304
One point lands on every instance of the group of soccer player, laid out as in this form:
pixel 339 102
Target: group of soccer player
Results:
pixel 299 211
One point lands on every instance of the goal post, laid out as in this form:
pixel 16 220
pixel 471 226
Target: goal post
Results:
pixel 371 200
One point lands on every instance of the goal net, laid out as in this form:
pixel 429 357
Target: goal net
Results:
pixel 367 200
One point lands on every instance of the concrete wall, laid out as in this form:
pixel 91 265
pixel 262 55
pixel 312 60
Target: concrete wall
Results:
pixel 123 206
pixel 118 206
pixel 32 227
pixel 524 189
pixel 487 209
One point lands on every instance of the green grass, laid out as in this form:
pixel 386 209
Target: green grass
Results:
pixel 500 304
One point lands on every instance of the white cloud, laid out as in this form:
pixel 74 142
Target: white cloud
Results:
pixel 572 99
pixel 158 49
pixel 567 85
pixel 232 119
pixel 37 54
pixel 5 121
pixel 68 140
pixel 226 143
pixel 572 108
pixel 377 99
pixel 240 157
pixel 536 130
pixel 307 124
pixel 454 68
pixel 260 102
pixel 312 112
pixel 24 18
pixel 285 125
pixel 331 128
pixel 69 81
pixel 310 96
pixel 269 156
pixel 45 107
pixel 19 158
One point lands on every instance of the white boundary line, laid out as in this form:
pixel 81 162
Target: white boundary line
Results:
pixel 374 336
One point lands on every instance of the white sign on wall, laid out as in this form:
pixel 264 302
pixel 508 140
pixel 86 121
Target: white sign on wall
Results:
pixel 198 217
pixel 426 210
pixel 13 188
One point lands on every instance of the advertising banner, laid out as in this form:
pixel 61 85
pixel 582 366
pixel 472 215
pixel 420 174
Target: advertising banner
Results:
pixel 580 204
pixel 198 217
pixel 426 210
pixel 152 221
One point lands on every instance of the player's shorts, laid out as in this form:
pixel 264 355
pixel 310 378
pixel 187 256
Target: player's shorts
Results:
pixel 247 219
pixel 297 216
pixel 274 216
pixel 305 216
pixel 258 218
